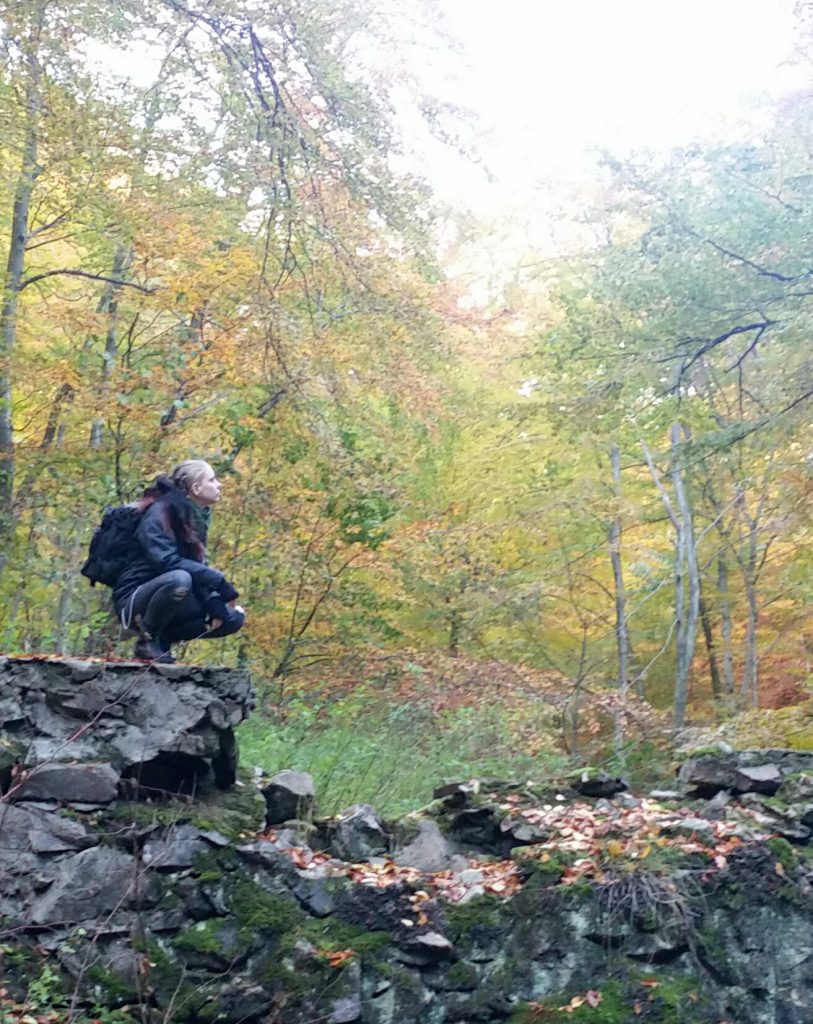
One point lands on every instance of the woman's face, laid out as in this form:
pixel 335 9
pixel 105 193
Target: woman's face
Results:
pixel 205 491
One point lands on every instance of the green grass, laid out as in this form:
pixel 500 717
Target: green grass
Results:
pixel 360 750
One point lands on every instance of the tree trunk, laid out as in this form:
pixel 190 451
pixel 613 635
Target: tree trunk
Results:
pixel 711 647
pixel 571 715
pixel 687 625
pixel 752 565
pixel 63 613
pixel 711 650
pixel 621 631
pixel 12 283
pixel 750 675
pixel 726 628
pixel 455 629
pixel 687 575
pixel 53 431
pixel 108 304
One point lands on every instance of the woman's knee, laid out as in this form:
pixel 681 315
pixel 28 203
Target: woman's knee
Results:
pixel 179 582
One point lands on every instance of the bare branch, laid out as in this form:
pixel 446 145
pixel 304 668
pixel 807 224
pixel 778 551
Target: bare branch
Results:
pixel 91 277
pixel 755 266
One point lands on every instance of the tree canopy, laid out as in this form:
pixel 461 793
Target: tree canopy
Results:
pixel 602 473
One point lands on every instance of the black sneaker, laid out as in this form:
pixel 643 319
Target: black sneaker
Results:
pixel 147 649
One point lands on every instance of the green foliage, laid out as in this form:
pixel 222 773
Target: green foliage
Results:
pixel 783 852
pixel 49 995
pixel 657 999
pixel 350 746
pixel 403 470
pixel 482 912
pixel 255 909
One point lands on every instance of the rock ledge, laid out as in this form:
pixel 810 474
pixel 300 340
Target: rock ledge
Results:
pixel 87 731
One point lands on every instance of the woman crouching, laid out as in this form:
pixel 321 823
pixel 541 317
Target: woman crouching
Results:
pixel 167 591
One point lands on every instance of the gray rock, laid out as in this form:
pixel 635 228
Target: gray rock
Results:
pixel 744 771
pixel 267 855
pixel 288 839
pixel 224 946
pixel 664 795
pixel 90 883
pixel 425 948
pixel 456 794
pixel 125 716
pixel 166 921
pixel 317 893
pixel 716 807
pixel 596 783
pixel 179 848
pixel 788 823
pixel 357 834
pixel 297 833
pixel 82 671
pixel 345 1009
pixel 797 788
pixel 523 831
pixel 700 827
pixel 25 830
pixel 763 778
pixel 478 827
pixel 430 850
pixel 215 838
pixel 345 1002
pixel 85 783
pixel 472 894
pixel 288 795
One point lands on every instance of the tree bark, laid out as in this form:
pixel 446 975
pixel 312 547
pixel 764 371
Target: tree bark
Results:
pixel 687 638
pixel 29 170
pixel 621 631
pixel 711 649
pixel 752 559
pixel 687 575
pixel 726 628
pixel 108 304
pixel 750 676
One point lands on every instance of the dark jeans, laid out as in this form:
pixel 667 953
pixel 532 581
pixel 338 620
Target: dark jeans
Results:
pixel 169 610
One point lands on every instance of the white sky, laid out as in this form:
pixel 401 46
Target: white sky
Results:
pixel 552 79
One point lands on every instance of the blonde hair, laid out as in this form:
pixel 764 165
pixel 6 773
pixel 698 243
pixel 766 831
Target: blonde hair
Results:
pixel 187 473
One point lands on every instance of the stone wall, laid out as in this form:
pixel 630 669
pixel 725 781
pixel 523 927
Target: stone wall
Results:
pixel 88 731
pixel 495 902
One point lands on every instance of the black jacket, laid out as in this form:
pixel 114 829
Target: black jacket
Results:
pixel 156 548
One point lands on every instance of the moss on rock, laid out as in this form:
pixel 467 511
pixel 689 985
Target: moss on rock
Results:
pixel 236 812
pixel 659 1000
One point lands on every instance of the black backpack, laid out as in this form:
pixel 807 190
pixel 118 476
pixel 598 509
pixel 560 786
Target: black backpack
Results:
pixel 110 543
